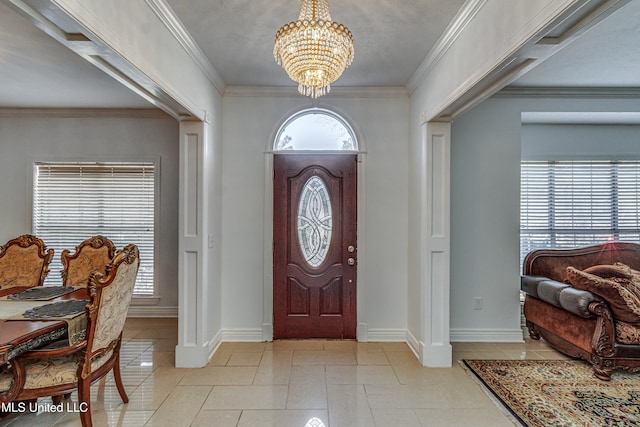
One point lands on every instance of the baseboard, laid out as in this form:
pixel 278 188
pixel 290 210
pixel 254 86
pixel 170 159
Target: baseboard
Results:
pixel 196 356
pixel 436 356
pixel 267 332
pixel 242 335
pixel 192 356
pixel 257 335
pixel 362 332
pixel 214 344
pixel 486 335
pixel 146 311
pixel 387 335
pixel 413 344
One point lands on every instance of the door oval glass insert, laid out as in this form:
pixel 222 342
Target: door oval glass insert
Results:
pixel 314 221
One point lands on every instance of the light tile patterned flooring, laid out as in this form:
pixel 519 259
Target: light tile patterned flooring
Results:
pixel 289 383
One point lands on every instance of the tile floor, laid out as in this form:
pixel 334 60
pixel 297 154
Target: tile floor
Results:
pixel 289 383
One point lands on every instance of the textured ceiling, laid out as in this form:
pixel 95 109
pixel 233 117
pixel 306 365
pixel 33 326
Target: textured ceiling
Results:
pixel 37 71
pixel 606 56
pixel 392 38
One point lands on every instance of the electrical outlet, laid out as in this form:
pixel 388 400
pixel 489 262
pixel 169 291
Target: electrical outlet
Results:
pixel 477 303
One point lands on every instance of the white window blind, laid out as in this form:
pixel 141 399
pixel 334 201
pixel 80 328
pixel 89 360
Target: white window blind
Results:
pixel 567 204
pixel 74 201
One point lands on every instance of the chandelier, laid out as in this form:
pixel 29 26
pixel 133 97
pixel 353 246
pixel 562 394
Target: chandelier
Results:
pixel 314 51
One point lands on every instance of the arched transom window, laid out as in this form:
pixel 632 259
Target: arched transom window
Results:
pixel 315 129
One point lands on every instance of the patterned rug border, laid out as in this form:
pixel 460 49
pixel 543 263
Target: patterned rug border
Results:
pixel 543 393
pixel 500 404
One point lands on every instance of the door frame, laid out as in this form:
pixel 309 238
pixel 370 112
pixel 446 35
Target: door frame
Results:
pixel 267 321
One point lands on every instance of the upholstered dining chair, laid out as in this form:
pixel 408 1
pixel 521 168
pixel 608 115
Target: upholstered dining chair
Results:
pixel 90 255
pixel 60 371
pixel 24 262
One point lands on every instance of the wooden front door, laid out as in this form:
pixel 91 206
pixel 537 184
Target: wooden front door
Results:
pixel 314 252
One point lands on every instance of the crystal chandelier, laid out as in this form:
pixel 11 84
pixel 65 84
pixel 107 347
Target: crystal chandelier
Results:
pixel 314 51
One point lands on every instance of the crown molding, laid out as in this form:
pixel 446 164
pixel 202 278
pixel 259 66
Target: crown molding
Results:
pixel 64 113
pixel 466 13
pixel 336 92
pixel 168 17
pixel 569 92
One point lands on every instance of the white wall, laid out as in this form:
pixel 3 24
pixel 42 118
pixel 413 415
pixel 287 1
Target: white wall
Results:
pixel 249 124
pixel 485 192
pixel 28 138
pixel 214 167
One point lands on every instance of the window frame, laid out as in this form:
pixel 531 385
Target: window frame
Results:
pixel 137 299
pixel 614 185
pixel 315 110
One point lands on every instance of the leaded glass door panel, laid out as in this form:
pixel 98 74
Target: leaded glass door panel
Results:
pixel 314 246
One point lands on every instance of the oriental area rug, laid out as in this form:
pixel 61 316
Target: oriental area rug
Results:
pixel 537 393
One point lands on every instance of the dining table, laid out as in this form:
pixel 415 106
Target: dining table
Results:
pixel 20 335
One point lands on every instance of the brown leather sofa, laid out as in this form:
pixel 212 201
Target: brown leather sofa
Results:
pixel 578 322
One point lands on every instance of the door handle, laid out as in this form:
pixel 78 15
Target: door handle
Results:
pixel 351 261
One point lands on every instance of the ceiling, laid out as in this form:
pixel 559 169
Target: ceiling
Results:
pixel 38 72
pixel 237 37
pixel 606 56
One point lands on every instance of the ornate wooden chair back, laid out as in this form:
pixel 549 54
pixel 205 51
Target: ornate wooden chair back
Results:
pixel 24 262
pixel 93 254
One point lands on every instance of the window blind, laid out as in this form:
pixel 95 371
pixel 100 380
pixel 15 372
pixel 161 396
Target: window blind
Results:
pixel 74 201
pixel 566 204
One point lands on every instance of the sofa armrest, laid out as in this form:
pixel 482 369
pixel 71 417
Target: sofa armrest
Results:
pixel 529 284
pixel 604 337
pixel 578 302
pixel 559 294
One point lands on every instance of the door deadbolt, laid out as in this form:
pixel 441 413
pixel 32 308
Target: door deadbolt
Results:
pixel 351 261
pixel 351 249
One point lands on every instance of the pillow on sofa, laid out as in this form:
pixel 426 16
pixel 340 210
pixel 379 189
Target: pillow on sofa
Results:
pixel 622 294
pixel 616 270
pixel 619 273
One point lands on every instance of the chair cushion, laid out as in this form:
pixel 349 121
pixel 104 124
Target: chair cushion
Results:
pixel 621 292
pixel 51 372
pixel 45 373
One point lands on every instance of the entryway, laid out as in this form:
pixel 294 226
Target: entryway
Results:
pixel 315 233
